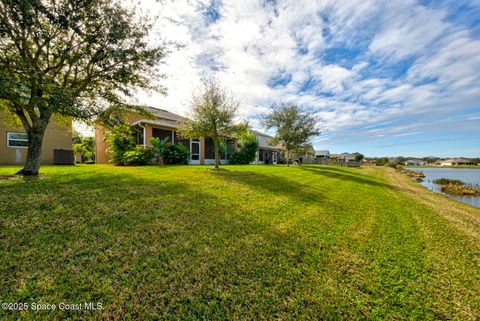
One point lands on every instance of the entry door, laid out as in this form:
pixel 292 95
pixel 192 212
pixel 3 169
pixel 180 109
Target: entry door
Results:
pixel 194 152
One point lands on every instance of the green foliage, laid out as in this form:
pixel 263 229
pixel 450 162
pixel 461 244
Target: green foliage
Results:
pixel 294 126
pixel 158 146
pixel 358 157
pixel 139 156
pixel 76 137
pixel 176 154
pixel 213 110
pixel 121 140
pixel 86 148
pixel 391 164
pixel 73 58
pixel 247 152
pixel 382 161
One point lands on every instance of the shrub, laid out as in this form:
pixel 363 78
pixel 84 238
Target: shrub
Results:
pixel 121 140
pixel 158 149
pixel 392 165
pixel 138 156
pixel 86 149
pixel 382 161
pixel 175 154
pixel 247 152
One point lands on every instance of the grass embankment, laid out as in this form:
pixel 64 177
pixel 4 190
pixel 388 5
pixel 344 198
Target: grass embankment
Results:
pixel 253 242
pixel 456 187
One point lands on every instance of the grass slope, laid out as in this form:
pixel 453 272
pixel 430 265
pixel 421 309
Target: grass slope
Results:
pixel 253 242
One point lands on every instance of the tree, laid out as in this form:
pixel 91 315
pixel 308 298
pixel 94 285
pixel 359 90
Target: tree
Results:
pixel 294 127
pixel 248 150
pixel 358 157
pixel 121 140
pixel 79 59
pixel 382 161
pixel 212 111
pixel 86 148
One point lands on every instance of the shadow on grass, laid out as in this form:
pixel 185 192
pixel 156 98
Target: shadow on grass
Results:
pixel 272 184
pixel 133 235
pixel 341 174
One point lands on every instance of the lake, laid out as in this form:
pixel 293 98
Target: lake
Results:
pixel 466 175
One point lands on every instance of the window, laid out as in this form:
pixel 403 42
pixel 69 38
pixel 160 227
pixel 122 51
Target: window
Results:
pixel 17 140
pixel 165 135
pixel 209 149
pixel 138 131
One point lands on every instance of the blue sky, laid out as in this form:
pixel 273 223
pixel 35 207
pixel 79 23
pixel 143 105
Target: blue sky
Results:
pixel 384 77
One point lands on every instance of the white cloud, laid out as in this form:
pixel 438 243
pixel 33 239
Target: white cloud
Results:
pixel 254 41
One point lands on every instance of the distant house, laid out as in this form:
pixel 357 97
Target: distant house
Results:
pixel 267 153
pixel 415 162
pixel 347 157
pixel 322 154
pixel 456 162
pixel 392 159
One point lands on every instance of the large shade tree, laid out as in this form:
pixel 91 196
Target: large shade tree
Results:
pixel 212 112
pixel 80 59
pixel 294 127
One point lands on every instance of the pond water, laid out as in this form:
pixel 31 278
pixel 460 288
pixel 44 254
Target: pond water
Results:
pixel 466 175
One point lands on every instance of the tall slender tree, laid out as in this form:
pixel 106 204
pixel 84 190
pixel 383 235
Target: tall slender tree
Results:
pixel 294 127
pixel 80 59
pixel 212 112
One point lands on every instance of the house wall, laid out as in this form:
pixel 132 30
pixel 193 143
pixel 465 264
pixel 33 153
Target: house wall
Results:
pixel 57 135
pixel 102 145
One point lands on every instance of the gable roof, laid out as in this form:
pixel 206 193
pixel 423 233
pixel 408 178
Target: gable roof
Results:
pixel 162 113
pixel 260 133
pixel 172 120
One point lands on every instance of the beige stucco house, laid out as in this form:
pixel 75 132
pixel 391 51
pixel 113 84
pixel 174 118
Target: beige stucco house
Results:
pixel 14 141
pixel 165 126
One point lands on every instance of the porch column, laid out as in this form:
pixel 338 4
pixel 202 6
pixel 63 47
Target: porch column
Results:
pixel 202 150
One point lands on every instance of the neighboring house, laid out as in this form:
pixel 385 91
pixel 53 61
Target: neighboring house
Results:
pixel 267 153
pixel 165 126
pixel 415 162
pixel 346 157
pixel 392 159
pixel 14 140
pixel 322 154
pixel 456 162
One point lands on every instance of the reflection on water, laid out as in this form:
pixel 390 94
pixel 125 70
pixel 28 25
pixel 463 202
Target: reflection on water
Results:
pixel 466 175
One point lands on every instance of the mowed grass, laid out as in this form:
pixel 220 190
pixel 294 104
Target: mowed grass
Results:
pixel 248 243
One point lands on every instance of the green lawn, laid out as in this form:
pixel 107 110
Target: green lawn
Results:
pixel 251 242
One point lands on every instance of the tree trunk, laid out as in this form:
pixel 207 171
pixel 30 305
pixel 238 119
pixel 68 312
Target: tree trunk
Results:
pixel 217 156
pixel 34 153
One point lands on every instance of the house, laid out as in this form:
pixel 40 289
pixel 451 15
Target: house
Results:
pixel 14 140
pixel 347 157
pixel 322 154
pixel 415 162
pixel 165 125
pixel 267 153
pixel 456 162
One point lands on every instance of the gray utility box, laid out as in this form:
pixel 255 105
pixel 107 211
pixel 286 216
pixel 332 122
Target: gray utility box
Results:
pixel 63 157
